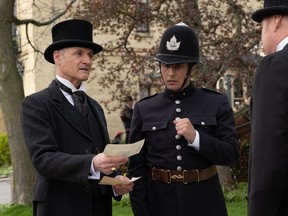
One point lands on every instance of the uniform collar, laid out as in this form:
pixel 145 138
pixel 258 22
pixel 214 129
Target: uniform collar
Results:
pixel 181 94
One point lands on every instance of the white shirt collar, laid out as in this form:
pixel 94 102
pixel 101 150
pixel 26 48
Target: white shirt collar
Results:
pixel 69 84
pixel 282 44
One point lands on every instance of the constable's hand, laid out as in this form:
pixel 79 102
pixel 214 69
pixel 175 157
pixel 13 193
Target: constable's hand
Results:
pixel 185 128
pixel 106 164
pixel 123 188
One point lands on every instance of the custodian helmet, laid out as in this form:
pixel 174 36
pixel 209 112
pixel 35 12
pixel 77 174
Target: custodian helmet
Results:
pixel 179 44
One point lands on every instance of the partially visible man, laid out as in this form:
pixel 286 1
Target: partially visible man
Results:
pixel 65 132
pixel 126 115
pixel 268 159
pixel 187 132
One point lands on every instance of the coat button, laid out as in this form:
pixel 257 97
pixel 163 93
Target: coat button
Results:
pixel 179 157
pixel 202 123
pixel 178 110
pixel 178 147
pixel 153 128
pixel 179 168
pixel 177 118
pixel 177 136
pixel 177 102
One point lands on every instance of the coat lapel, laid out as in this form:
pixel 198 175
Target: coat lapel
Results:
pixel 99 114
pixel 65 109
pixel 68 112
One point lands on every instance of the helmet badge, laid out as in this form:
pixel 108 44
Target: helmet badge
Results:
pixel 173 45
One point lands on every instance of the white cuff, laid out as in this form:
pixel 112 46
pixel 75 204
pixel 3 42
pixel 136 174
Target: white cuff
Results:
pixel 93 174
pixel 196 143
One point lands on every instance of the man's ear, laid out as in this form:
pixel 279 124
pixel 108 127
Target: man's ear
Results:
pixel 277 22
pixel 57 57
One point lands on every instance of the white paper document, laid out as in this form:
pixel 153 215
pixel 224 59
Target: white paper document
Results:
pixel 124 150
pixel 116 181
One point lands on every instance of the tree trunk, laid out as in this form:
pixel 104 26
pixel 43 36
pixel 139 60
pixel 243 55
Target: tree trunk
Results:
pixel 225 177
pixel 11 96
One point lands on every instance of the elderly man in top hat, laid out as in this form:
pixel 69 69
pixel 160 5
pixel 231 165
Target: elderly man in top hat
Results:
pixel 65 132
pixel 268 161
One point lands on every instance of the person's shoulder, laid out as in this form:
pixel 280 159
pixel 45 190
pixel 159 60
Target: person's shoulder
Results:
pixel 275 57
pixel 149 97
pixel 38 94
pixel 212 91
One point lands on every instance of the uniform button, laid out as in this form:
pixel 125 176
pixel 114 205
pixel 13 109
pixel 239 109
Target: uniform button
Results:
pixel 177 118
pixel 178 110
pixel 178 147
pixel 179 157
pixel 179 168
pixel 177 102
pixel 203 123
pixel 153 128
pixel 177 137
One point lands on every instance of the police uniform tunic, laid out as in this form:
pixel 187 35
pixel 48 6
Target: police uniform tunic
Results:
pixel 212 116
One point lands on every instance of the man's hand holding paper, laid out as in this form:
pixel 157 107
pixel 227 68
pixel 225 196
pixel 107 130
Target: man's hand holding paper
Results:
pixel 123 150
pixel 122 184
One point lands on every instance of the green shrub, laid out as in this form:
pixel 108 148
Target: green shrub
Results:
pixel 5 158
pixel 238 193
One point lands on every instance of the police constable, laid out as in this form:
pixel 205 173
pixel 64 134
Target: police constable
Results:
pixel 187 132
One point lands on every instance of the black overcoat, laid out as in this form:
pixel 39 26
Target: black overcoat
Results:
pixel 268 161
pixel 61 150
pixel 212 116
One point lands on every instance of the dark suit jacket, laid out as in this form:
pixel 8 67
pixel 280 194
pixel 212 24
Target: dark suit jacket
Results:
pixel 268 162
pixel 212 116
pixel 61 151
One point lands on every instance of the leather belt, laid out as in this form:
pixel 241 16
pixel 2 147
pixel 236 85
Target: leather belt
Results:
pixel 185 176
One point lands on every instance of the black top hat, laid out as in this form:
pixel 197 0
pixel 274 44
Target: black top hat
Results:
pixel 271 7
pixel 71 33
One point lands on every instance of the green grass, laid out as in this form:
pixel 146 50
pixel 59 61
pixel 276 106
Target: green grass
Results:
pixel 234 209
pixel 15 210
pixel 237 208
pixel 235 201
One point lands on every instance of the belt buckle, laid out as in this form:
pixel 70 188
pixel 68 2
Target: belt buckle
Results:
pixel 178 177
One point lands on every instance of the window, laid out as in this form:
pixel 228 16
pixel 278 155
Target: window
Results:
pixel 142 12
pixel 238 93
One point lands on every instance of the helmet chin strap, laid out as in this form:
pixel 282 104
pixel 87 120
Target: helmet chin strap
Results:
pixel 189 71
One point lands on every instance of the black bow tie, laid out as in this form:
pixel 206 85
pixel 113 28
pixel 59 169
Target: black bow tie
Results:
pixel 79 98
